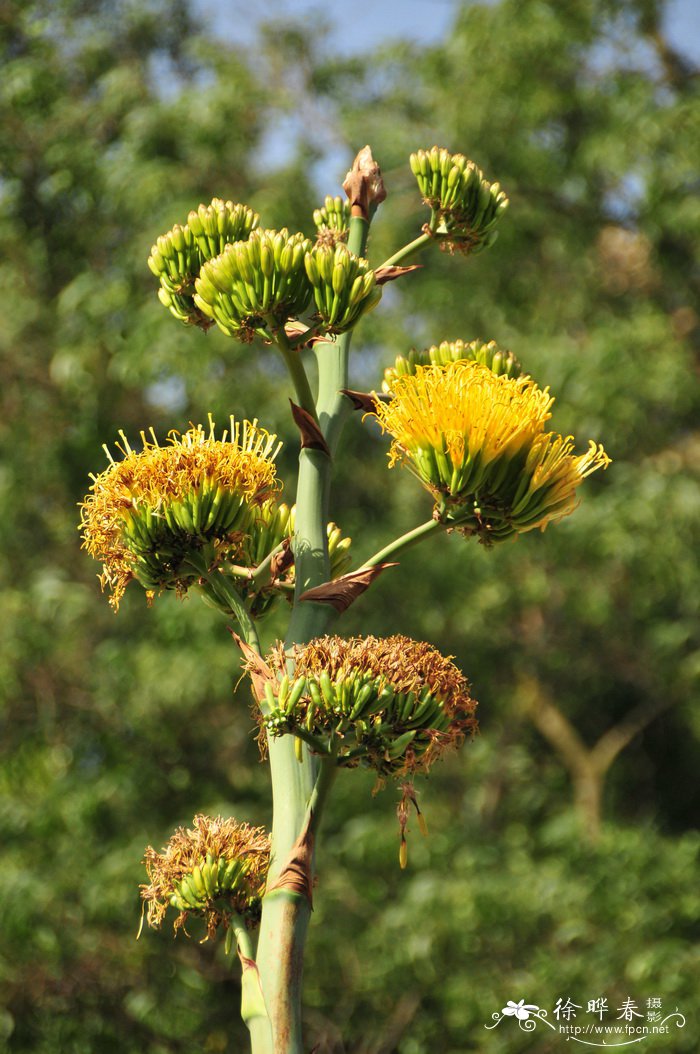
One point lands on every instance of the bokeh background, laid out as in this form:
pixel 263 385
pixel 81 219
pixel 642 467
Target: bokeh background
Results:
pixel 563 855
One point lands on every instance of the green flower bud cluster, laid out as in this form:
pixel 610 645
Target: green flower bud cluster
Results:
pixel 275 522
pixel 344 286
pixel 254 286
pixel 333 221
pixel 177 257
pixel 175 260
pixel 378 726
pixel 210 879
pixel 466 205
pixel 220 224
pixel 498 360
pixel 203 525
pixel 338 550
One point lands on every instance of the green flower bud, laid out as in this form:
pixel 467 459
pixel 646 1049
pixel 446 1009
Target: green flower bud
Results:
pixel 392 704
pixel 344 286
pixel 219 224
pixel 499 361
pixel 216 870
pixel 466 205
pixel 255 286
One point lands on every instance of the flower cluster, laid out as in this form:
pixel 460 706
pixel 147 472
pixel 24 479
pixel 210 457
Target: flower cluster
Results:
pixel 466 207
pixel 477 441
pixel 254 286
pixel 163 512
pixel 177 257
pixel 221 268
pixel 332 221
pixel 392 704
pixel 344 286
pixel 214 870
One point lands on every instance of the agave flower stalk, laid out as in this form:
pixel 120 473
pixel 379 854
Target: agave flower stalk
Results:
pixel 285 915
pixel 203 514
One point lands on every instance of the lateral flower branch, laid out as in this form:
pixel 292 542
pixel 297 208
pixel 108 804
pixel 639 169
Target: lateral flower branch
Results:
pixel 202 512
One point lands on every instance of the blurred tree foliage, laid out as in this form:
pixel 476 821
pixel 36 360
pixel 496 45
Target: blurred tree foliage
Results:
pixel 582 644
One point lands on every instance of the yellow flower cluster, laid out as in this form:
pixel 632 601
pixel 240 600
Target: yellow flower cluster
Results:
pixel 477 441
pixel 151 513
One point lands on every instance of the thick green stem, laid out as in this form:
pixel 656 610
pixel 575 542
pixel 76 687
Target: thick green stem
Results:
pixel 405 542
pixel 297 372
pixel 286 913
pixel 333 407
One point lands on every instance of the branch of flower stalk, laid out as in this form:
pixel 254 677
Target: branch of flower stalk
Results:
pixel 416 245
pixel 297 373
pixel 260 576
pixel 224 597
pixel 253 1010
pixel 242 934
pixel 328 770
pixel 316 745
pixel 398 545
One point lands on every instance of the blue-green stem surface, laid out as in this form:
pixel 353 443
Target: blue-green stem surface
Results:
pixel 286 914
pixel 399 545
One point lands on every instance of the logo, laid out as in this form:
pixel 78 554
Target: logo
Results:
pixel 604 1026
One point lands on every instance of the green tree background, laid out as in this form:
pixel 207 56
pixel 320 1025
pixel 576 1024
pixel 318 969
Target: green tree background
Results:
pixel 563 859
